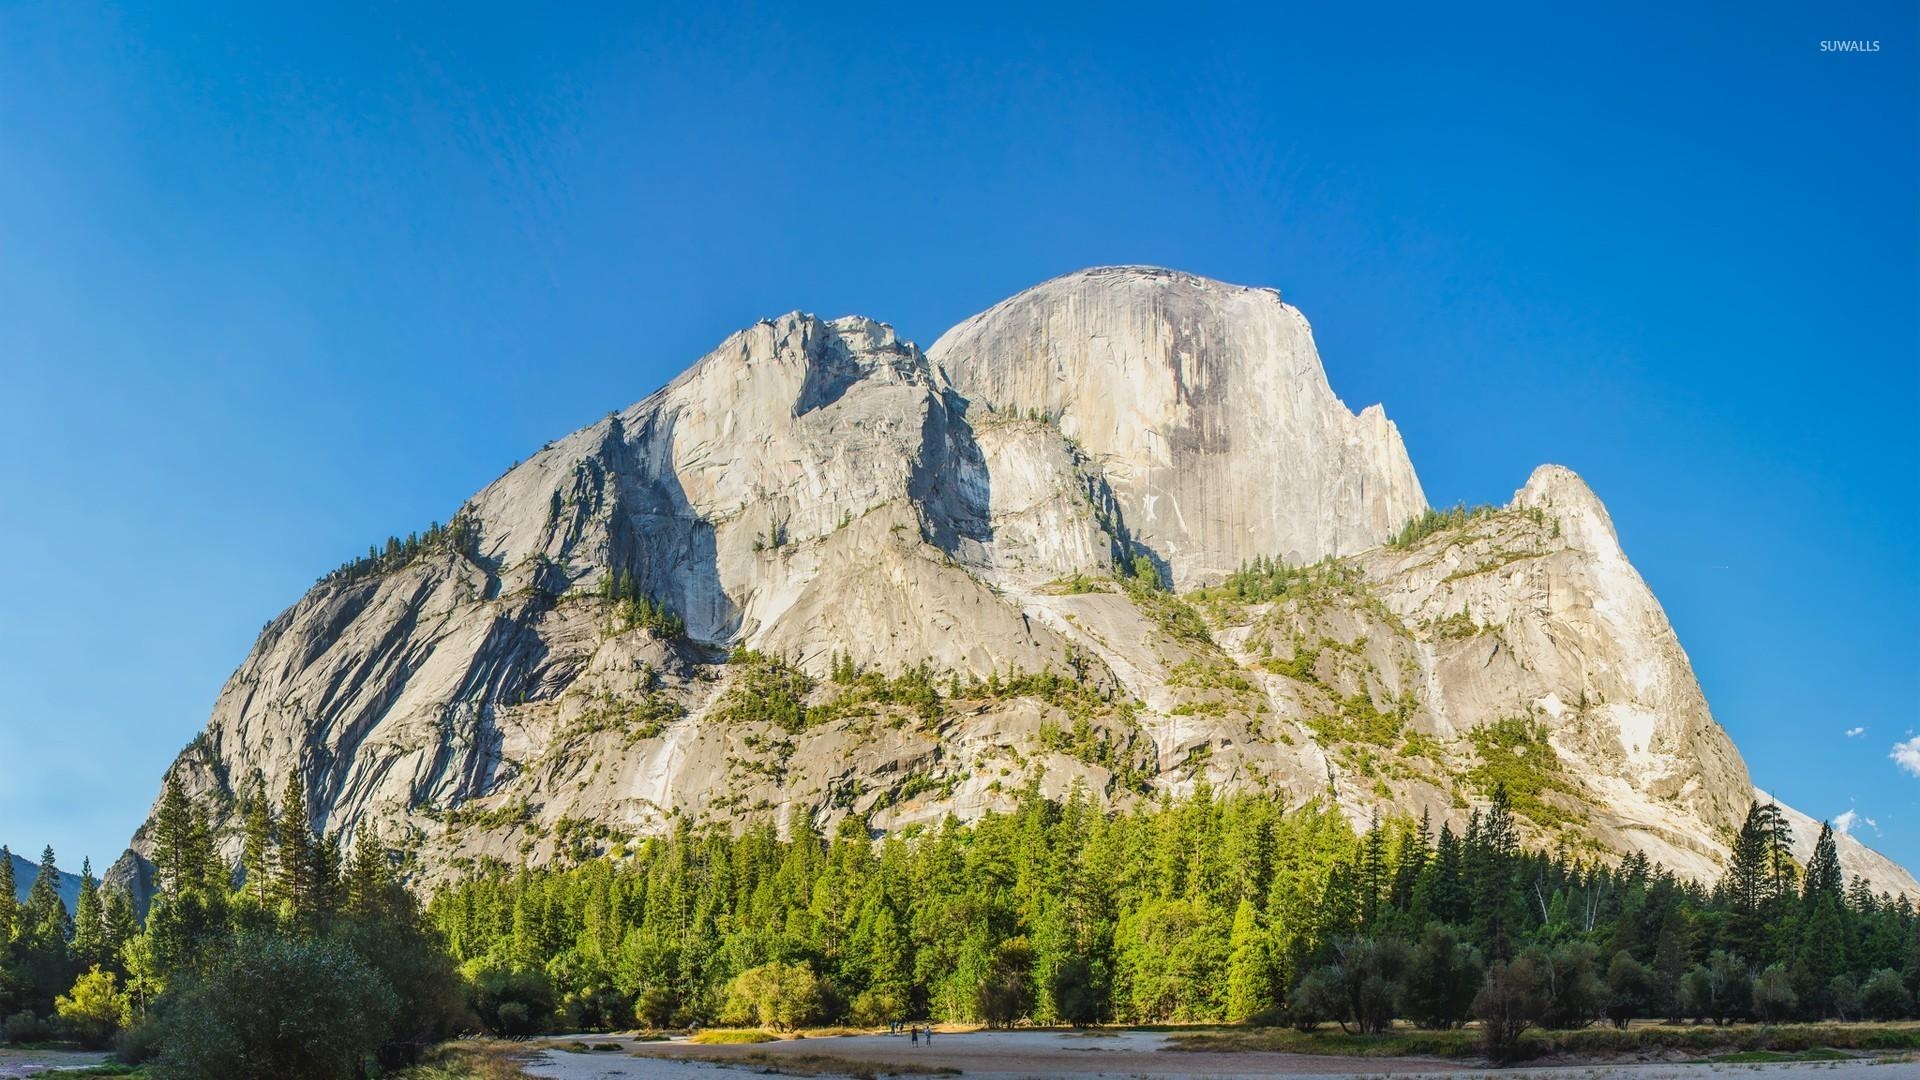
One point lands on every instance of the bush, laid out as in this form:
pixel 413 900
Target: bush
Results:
pixel 1717 990
pixel 1512 1000
pixel 1442 978
pixel 879 1006
pixel 1005 994
pixel 1630 989
pixel 1078 992
pixel 25 1027
pixel 1369 972
pixel 777 996
pixel 1773 996
pixel 510 1001
pixel 654 1007
pixel 1844 994
pixel 1884 997
pixel 276 1006
pixel 1317 998
pixel 1574 992
pixel 413 961
pixel 94 1010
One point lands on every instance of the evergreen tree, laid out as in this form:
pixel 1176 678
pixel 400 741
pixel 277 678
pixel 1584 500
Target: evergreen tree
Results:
pixel 173 842
pixel 1250 990
pixel 119 925
pixel 89 920
pixel 9 899
pixel 295 886
pixel 257 858
pixel 1672 956
pixel 46 913
pixel 1823 869
pixel 368 876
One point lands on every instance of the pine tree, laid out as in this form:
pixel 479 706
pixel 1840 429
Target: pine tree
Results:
pixel 9 898
pixel 257 862
pixel 1823 870
pixel 46 913
pixel 173 838
pixel 119 925
pixel 1672 955
pixel 368 876
pixel 294 887
pixel 1498 910
pixel 1250 989
pixel 89 920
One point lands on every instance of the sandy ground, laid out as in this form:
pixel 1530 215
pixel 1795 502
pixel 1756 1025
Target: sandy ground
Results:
pixel 1121 1056
pixel 17 1063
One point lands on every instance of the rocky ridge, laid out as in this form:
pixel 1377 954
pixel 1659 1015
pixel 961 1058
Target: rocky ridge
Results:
pixel 824 571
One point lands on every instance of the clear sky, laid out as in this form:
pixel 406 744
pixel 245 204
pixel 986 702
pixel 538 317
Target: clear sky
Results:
pixel 275 284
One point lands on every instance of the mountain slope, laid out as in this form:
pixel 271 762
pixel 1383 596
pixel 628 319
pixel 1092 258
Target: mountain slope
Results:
pixel 823 571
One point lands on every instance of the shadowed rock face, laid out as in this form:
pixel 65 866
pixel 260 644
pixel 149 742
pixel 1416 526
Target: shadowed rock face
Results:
pixel 820 491
pixel 1205 406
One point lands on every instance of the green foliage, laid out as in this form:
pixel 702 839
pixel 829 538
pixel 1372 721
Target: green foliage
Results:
pixel 636 719
pixel 858 692
pixel 1511 1000
pixel 209 977
pixel 1175 617
pixel 1359 720
pixel 1631 989
pixel 25 1028
pixel 1432 521
pixel 1515 755
pixel 460 537
pixel 1270 579
pixel 777 996
pixel 511 999
pixel 95 1009
pixel 631 607
pixel 1125 756
pixel 1884 996
pixel 273 1005
pixel 766 690
pixel 1443 976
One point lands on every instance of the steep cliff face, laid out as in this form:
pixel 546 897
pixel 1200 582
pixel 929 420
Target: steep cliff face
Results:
pixel 900 598
pixel 1206 408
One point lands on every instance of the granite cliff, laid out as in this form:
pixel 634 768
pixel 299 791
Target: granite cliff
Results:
pixel 1116 531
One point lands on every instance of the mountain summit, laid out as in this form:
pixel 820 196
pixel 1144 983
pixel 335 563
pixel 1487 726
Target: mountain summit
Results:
pixel 1115 534
pixel 1207 408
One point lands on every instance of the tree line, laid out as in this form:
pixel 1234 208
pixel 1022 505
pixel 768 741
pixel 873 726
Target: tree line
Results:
pixel 1206 908
pixel 308 959
pixel 1200 909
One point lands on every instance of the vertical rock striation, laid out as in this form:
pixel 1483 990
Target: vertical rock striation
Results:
pixel 1205 406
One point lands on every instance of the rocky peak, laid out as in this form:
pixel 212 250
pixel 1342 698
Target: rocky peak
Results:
pixel 818 492
pixel 1206 408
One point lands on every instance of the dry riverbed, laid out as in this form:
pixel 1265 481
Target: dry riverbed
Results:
pixel 18 1063
pixel 1120 1055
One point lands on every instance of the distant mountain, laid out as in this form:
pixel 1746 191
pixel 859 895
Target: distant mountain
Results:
pixel 26 870
pixel 1116 533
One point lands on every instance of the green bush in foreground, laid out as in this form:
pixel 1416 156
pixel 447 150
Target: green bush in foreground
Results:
pixel 277 1006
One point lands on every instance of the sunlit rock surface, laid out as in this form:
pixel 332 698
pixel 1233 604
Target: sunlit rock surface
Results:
pixel 822 492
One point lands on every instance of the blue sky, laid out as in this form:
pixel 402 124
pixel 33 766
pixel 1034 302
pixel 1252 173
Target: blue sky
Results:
pixel 274 284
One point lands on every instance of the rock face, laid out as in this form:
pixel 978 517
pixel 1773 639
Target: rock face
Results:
pixel 1205 407
pixel 904 582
